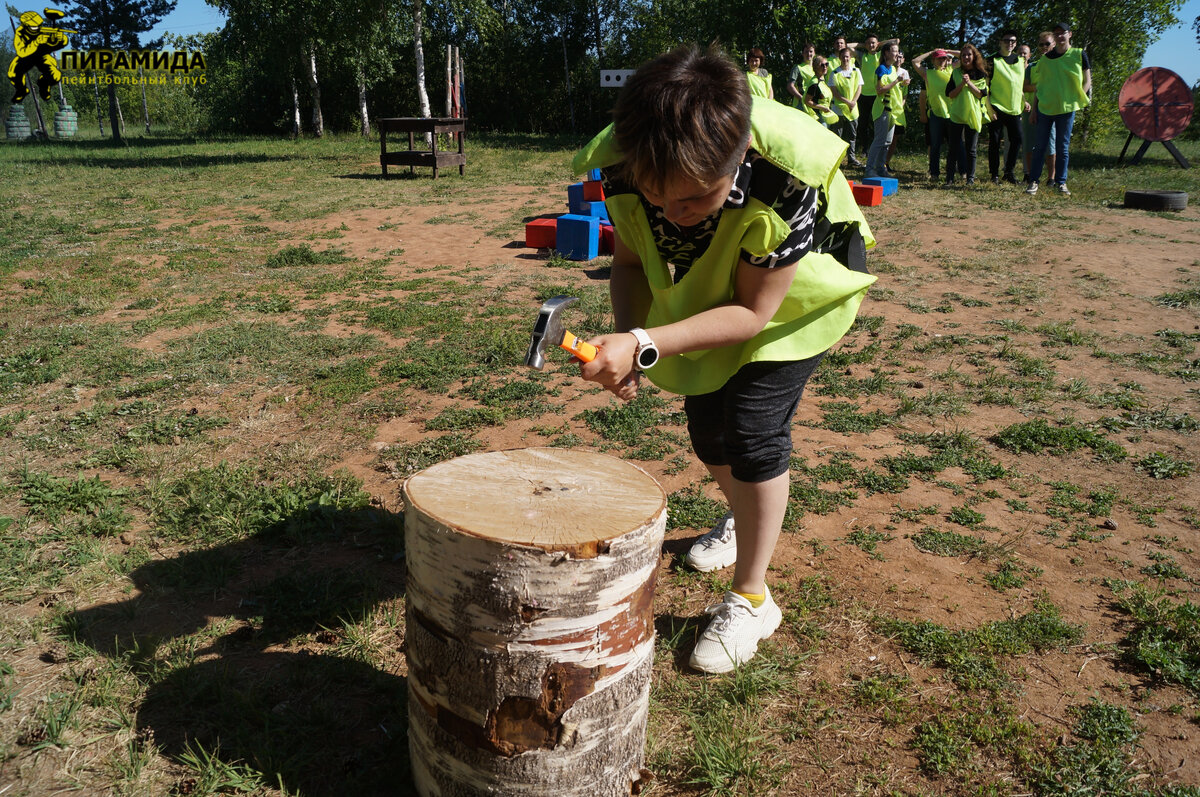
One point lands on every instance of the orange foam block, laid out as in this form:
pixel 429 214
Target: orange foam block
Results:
pixel 868 195
pixel 593 191
pixel 541 233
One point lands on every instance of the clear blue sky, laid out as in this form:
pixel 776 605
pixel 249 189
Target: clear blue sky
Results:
pixel 1176 50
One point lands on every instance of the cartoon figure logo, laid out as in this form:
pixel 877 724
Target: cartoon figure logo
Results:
pixel 34 43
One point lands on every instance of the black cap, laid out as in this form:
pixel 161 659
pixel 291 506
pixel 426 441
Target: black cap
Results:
pixel 1062 26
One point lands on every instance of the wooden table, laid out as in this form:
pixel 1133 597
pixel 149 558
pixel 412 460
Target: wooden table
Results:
pixel 413 157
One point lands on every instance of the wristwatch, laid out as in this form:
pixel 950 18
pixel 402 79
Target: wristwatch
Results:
pixel 647 352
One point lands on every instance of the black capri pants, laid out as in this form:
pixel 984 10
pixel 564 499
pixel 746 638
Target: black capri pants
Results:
pixel 747 423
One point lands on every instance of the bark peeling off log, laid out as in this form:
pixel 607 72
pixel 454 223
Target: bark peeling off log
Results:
pixel 529 667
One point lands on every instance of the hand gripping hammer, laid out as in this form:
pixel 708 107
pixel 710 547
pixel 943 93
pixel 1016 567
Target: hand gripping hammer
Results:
pixel 549 330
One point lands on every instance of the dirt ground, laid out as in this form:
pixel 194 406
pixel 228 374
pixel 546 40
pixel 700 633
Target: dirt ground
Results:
pixel 1096 269
pixel 994 274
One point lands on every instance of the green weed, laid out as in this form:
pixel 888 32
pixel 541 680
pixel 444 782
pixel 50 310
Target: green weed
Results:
pixel 868 540
pixel 1037 436
pixel 971 657
pixel 690 508
pixel 1163 466
pixel 1165 636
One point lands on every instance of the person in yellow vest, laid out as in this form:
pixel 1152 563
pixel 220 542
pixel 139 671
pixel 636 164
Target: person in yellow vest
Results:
pixel 936 101
pixel 818 100
pixel 846 84
pixel 1006 95
pixel 901 119
pixel 757 75
pixel 1062 79
pixel 888 109
pixel 1045 40
pixel 802 75
pixel 747 194
pixel 967 92
pixel 868 51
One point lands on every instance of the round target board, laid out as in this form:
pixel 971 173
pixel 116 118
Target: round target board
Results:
pixel 1155 104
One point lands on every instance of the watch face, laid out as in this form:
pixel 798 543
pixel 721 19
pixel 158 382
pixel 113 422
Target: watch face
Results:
pixel 647 356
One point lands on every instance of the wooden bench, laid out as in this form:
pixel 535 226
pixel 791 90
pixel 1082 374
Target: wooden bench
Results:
pixel 422 157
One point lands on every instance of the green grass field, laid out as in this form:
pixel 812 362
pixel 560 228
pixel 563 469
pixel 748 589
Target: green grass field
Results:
pixel 219 357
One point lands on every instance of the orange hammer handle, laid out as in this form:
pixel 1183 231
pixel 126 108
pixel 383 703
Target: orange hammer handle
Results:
pixel 579 347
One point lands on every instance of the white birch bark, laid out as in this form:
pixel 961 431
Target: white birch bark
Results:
pixel 365 127
pixel 318 121
pixel 295 109
pixel 419 53
pixel 530 628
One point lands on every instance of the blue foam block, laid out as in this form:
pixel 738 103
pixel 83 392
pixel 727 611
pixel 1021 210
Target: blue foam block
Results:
pixel 577 237
pixel 597 209
pixel 890 185
pixel 575 200
pixel 594 174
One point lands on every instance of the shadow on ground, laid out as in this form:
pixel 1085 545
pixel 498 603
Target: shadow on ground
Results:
pixel 282 651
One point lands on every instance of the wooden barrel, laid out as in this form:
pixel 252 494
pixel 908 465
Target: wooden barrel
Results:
pixel 16 124
pixel 66 122
pixel 530 629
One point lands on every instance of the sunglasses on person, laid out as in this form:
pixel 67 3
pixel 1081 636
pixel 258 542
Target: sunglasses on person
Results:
pixel 1010 40
pixel 1045 44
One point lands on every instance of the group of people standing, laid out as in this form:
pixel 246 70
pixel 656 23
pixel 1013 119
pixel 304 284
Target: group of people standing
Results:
pixel 1027 101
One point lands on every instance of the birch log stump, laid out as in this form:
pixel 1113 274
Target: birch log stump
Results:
pixel 530 632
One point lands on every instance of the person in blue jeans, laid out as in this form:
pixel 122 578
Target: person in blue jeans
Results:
pixel 890 86
pixel 1062 80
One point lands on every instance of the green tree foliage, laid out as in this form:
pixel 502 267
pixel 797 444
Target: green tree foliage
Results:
pixel 534 65
pixel 115 25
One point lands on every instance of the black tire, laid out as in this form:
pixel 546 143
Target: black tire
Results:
pixel 1156 200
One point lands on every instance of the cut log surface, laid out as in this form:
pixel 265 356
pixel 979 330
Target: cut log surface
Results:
pixel 530 634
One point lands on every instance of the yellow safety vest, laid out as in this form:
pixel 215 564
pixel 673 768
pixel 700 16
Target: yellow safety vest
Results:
pixel 1007 85
pixel 936 81
pixel 828 117
pixel 846 87
pixel 1059 83
pixel 966 108
pixel 894 98
pixel 824 296
pixel 868 65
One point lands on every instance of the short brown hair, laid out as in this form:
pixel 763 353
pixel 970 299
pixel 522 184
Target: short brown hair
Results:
pixel 685 114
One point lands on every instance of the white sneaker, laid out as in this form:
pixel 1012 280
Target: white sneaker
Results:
pixel 1062 189
pixel 733 635
pixel 1032 187
pixel 716 549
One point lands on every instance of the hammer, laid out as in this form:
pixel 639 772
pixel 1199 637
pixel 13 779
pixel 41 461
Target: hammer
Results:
pixel 549 330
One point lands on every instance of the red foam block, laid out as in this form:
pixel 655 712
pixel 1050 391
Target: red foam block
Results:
pixel 593 191
pixel 868 195
pixel 606 239
pixel 540 233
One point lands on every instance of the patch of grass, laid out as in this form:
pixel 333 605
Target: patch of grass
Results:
pixel 729 756
pixel 966 516
pixel 1164 639
pixel 868 540
pixel 951 543
pixel 1099 761
pixel 1163 466
pixel 952 742
pixel 304 255
pixel 845 418
pixel 690 508
pixel 1038 436
pixel 1189 297
pixel 637 425
pixel 1157 419
pixel 227 502
pixel 52 497
pixel 971 658
pixel 1011 575
pixel 405 459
